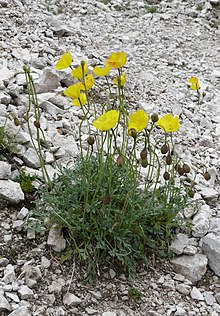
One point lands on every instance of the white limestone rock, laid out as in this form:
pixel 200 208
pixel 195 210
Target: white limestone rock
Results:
pixel 9 274
pixel 201 221
pixel 196 294
pixel 4 304
pixel 31 158
pixel 211 248
pixel 179 243
pixel 25 292
pixel 192 267
pixel 70 299
pixel 21 311
pixel 56 240
pixel 11 191
pixel 5 170
pixel 49 81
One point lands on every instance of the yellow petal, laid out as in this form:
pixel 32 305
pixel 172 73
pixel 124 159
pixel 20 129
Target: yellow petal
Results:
pixel 80 101
pixel 89 82
pixel 73 91
pixel 193 80
pixel 138 120
pixel 64 61
pixel 77 73
pixel 122 80
pixel 169 123
pixel 104 71
pixel 106 121
pixel 117 59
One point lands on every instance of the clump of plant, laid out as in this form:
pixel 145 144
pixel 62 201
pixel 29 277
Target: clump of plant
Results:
pixel 122 200
pixel 26 181
pixel 134 293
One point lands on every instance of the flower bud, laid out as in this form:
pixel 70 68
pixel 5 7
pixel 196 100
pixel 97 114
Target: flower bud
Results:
pixel 120 161
pixel 191 193
pixel 207 176
pixel 90 140
pixel 144 163
pixel 180 171
pixel 16 121
pixel 133 133
pixel 143 154
pixel 154 118
pixel 166 175
pixel 164 149
pixel 169 159
pixel 106 199
pixel 37 124
pixel 186 168
pixel 83 63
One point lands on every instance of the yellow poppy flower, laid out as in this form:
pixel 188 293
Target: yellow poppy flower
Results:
pixel 80 101
pixel 106 121
pixel 194 83
pixel 117 59
pixel 137 121
pixel 73 91
pixel 101 72
pixel 122 79
pixel 89 82
pixel 64 61
pixel 169 123
pixel 77 73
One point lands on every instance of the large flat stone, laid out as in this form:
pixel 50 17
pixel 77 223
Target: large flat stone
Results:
pixel 211 248
pixel 11 191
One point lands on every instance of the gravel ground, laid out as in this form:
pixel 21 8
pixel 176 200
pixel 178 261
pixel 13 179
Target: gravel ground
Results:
pixel 165 48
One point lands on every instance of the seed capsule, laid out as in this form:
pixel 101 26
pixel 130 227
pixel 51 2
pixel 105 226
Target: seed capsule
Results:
pixel 90 140
pixel 207 176
pixel 166 175
pixel 143 154
pixel 168 159
pixel 186 168
pixel 120 161
pixel 144 163
pixel 154 118
pixel 106 199
pixel 164 149
pixel 37 124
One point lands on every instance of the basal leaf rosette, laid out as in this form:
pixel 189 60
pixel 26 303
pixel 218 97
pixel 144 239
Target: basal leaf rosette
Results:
pixel 169 123
pixel 64 61
pixel 106 121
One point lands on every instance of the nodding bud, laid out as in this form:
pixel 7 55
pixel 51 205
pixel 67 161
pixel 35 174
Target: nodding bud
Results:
pixel 16 121
pixel 191 193
pixel 143 154
pixel 169 159
pixel 106 199
pixel 37 124
pixel 154 117
pixel 164 149
pixel 207 176
pixel 120 161
pixel 90 140
pixel 26 69
pixel 166 175
pixel 83 63
pixel 144 163
pixel 180 171
pixel 186 168
pixel 133 133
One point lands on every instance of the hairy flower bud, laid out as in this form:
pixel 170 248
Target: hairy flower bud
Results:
pixel 186 168
pixel 143 154
pixel 16 121
pixel 37 124
pixel 166 175
pixel 169 159
pixel 90 140
pixel 164 149
pixel 180 171
pixel 133 133
pixel 144 163
pixel 106 199
pixel 207 176
pixel 154 118
pixel 191 193
pixel 120 161
pixel 83 63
